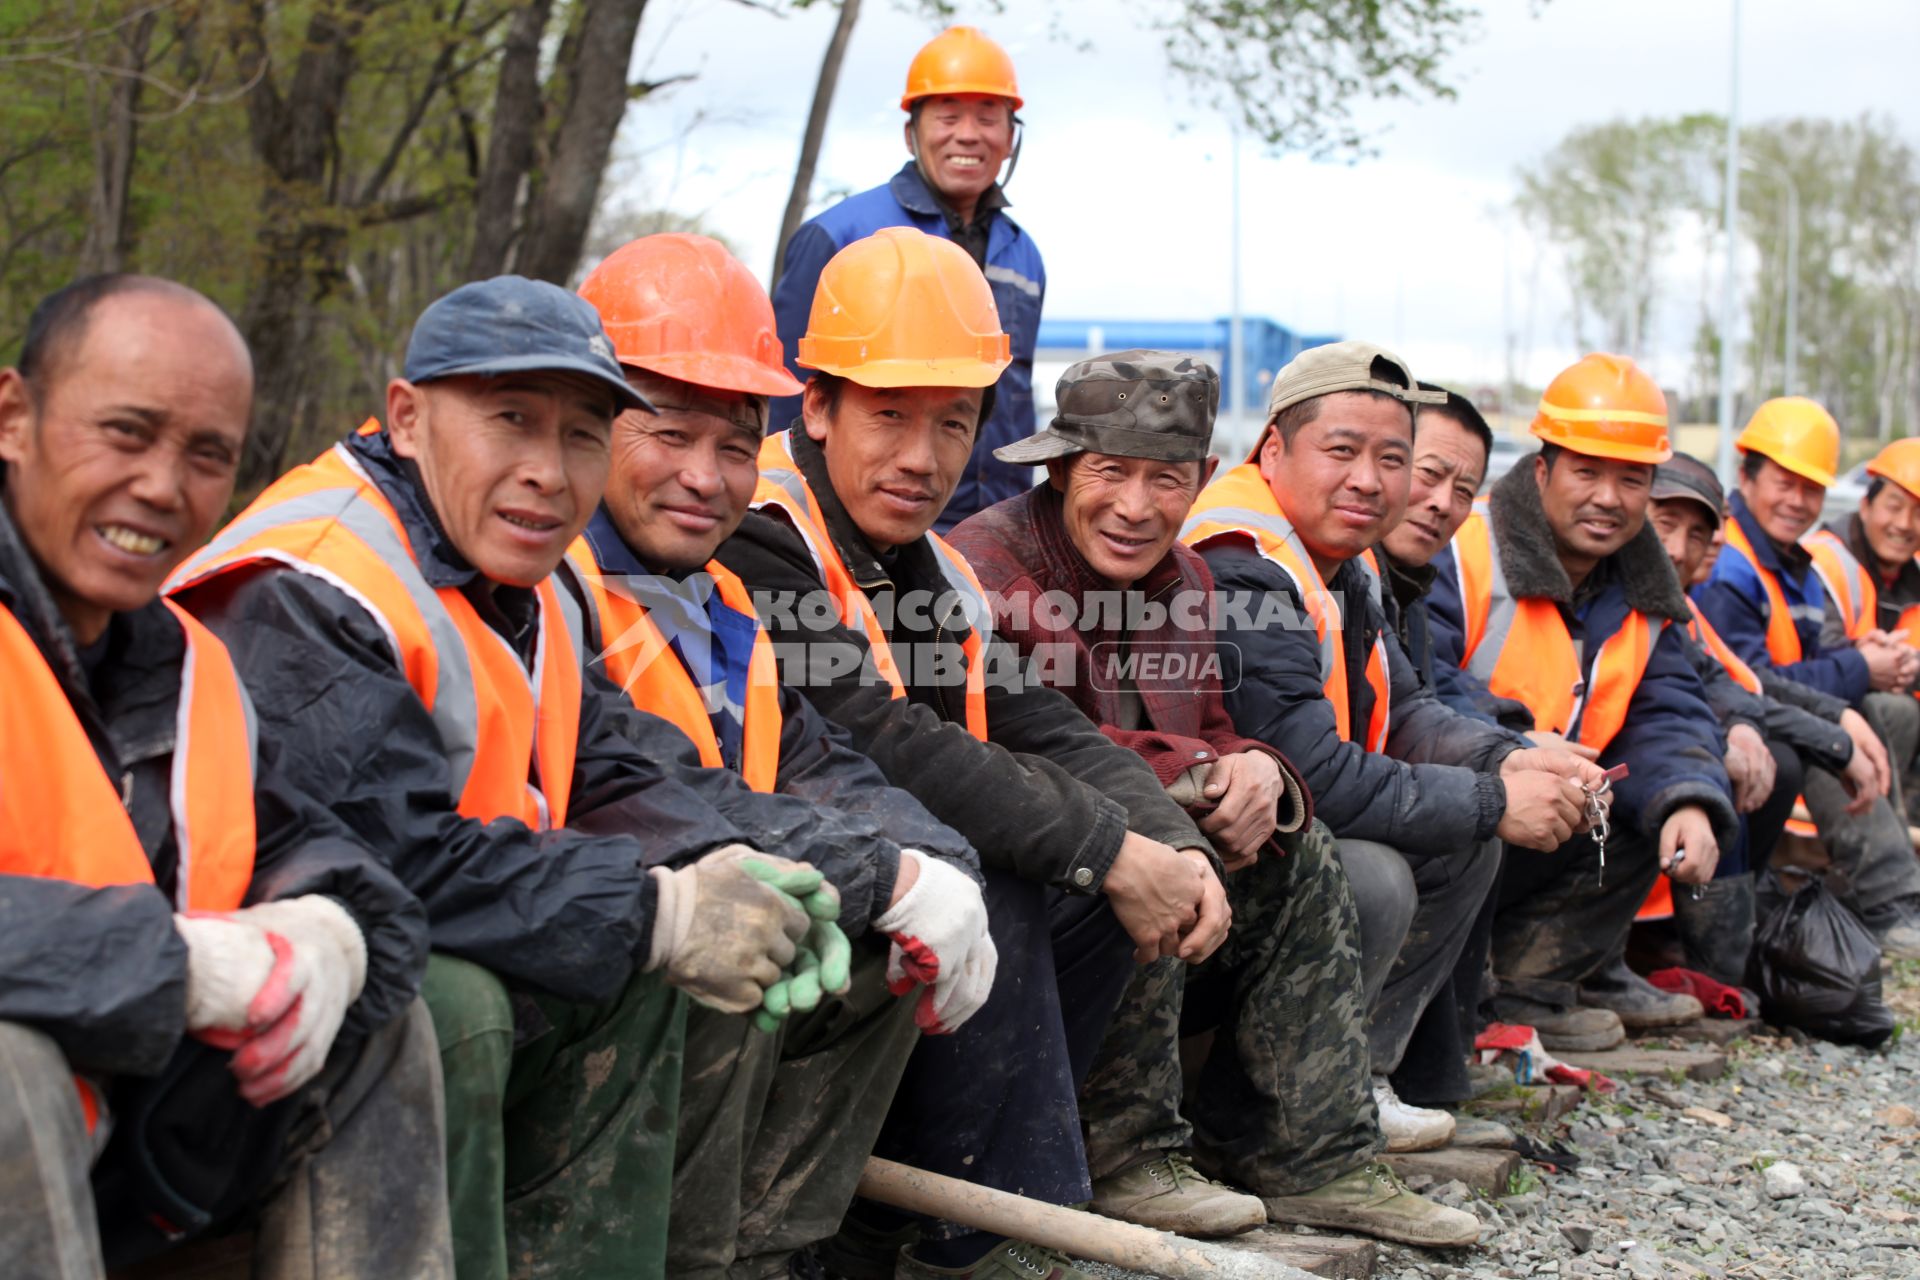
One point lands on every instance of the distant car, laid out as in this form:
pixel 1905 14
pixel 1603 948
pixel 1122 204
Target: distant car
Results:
pixel 1501 458
pixel 1844 497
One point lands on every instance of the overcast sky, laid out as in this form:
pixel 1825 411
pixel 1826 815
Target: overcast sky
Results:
pixel 1124 183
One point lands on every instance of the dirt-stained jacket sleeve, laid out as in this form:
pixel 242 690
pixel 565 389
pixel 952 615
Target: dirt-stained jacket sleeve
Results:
pixel 101 971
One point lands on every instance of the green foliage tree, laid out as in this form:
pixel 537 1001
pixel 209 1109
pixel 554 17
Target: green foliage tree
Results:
pixel 1614 198
pixel 322 167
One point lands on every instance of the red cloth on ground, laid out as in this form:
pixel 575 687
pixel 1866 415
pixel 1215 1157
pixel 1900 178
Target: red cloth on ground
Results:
pixel 1717 998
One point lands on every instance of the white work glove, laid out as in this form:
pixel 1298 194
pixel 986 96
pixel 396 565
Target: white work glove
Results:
pixel 273 982
pixel 940 940
pixel 721 932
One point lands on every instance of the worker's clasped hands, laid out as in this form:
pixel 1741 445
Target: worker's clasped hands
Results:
pixel 272 983
pixel 1169 900
pixel 729 928
pixel 1892 662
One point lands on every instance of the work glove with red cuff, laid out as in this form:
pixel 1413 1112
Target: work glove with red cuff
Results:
pixel 940 941
pixel 273 982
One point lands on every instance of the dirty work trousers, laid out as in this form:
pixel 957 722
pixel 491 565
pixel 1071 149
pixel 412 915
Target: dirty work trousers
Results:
pixel 1281 1105
pixel 1447 891
pixel 1560 919
pixel 355 1172
pixel 1879 876
pixel 994 1103
pixel 776 1128
pixel 1433 1069
pixel 560 1125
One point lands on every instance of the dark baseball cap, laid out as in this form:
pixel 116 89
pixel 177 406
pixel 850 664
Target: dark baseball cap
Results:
pixel 1685 476
pixel 1131 404
pixel 511 324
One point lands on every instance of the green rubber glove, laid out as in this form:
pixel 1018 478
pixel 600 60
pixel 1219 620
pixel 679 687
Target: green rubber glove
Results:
pixel 822 965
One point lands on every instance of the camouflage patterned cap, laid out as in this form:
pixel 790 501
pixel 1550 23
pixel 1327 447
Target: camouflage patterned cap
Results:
pixel 1346 366
pixel 1132 404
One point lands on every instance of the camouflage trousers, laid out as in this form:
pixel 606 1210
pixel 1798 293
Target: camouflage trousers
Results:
pixel 1282 1104
pixel 560 1125
pixel 775 1129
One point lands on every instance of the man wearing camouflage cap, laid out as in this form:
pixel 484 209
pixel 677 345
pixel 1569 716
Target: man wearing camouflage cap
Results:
pixel 1282 1106
pixel 1415 791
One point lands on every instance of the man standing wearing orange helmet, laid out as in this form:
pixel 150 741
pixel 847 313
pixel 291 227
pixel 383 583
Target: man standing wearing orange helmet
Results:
pixel 961 98
pixel 887 630
pixel 675 629
pixel 1560 597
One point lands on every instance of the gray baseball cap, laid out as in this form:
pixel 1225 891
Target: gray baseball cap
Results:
pixel 1346 366
pixel 1685 476
pixel 511 324
pixel 1132 404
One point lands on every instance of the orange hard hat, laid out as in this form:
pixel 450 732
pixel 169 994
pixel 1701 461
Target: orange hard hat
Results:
pixel 1900 463
pixel 961 60
pixel 1605 406
pixel 681 306
pixel 1796 433
pixel 902 308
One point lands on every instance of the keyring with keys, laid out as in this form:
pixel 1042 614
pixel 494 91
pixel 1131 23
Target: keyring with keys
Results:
pixel 1597 810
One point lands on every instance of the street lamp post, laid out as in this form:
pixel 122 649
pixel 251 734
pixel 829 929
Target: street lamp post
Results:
pixel 1729 289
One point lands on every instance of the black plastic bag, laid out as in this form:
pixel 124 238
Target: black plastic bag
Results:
pixel 1816 966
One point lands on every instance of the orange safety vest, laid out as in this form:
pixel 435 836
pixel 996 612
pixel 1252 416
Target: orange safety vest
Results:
pixel 329 519
pixel 1846 580
pixel 1707 638
pixel 783 485
pixel 61 816
pixel 1241 504
pixel 1783 640
pixel 630 646
pixel 1521 649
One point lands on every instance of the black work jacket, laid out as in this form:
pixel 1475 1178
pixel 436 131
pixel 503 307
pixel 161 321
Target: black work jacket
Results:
pixel 1048 796
pixel 568 911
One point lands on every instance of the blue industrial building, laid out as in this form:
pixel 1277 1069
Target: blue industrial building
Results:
pixel 1268 346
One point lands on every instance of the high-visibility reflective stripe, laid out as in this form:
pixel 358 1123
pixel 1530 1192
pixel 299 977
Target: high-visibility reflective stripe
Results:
pixel 348 499
pixel 1707 638
pixel 782 485
pixel 213 764
pixel 497 721
pixel 979 615
pixel 1240 504
pixel 1603 415
pixel 631 647
pixel 1847 582
pixel 1007 275
pixel 1474 538
pixel 1783 639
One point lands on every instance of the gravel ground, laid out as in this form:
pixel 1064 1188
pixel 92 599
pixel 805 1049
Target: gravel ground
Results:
pixel 1802 1161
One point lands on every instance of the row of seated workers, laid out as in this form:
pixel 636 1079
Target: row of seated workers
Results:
pixel 565 829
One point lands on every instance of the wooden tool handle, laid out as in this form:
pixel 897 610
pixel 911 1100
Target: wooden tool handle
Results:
pixel 1084 1235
